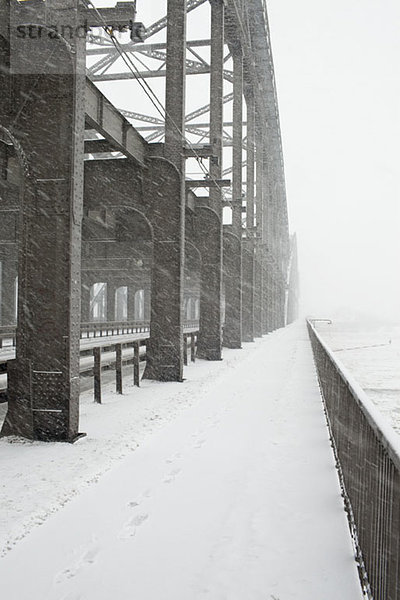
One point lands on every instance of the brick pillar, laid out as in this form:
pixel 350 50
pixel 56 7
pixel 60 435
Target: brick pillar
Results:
pixel 208 228
pixel 233 291
pixel 248 280
pixel 43 384
pixel 233 247
pixel 165 348
pixel 165 189
pixel 209 220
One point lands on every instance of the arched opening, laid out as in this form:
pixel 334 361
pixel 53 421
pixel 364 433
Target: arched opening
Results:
pixel 139 305
pixel 121 303
pixel 11 190
pixel 192 281
pixel 98 302
pixel 227 215
pixel 187 302
pixel 117 249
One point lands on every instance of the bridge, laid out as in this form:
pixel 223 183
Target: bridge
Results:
pixel 142 241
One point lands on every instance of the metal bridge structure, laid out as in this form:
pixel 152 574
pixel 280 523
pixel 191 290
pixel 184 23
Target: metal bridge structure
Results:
pixel 99 218
pixel 108 243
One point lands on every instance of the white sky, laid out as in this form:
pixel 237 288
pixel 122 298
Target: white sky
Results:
pixel 337 70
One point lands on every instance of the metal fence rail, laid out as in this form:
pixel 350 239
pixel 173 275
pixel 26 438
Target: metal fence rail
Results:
pixel 98 329
pixel 368 451
pixel 110 353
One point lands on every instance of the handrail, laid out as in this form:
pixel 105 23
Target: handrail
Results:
pixel 368 454
pixel 383 431
pixel 110 345
pixel 106 328
pixel 102 328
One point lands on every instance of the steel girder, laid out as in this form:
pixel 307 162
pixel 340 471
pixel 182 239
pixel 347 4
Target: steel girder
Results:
pixel 150 31
pixel 247 28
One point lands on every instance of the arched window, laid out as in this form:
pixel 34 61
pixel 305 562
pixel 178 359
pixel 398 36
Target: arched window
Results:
pixel 189 309
pixel 121 303
pixel 139 305
pixel 227 215
pixel 98 302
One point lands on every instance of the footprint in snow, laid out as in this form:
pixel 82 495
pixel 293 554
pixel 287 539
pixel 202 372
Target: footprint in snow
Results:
pixel 129 528
pixel 173 458
pixel 199 443
pixel 171 476
pixel 87 556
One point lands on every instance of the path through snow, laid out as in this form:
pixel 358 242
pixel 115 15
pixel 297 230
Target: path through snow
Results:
pixel 236 498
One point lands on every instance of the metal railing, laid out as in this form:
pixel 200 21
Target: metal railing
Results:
pixel 123 357
pixel 103 355
pixel 368 455
pixel 98 329
pixel 106 328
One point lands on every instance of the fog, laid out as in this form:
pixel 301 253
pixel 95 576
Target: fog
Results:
pixel 337 72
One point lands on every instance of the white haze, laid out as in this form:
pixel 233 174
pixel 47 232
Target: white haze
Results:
pixel 337 70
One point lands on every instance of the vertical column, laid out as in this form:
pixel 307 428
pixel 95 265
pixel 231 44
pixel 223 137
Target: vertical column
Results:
pixel 167 201
pixel 175 84
pixel 269 231
pixel 210 243
pixel 250 162
pixel 248 290
pixel 237 136
pixel 260 259
pixel 281 239
pixel 43 384
pixel 85 300
pixel 233 263
pixel 258 287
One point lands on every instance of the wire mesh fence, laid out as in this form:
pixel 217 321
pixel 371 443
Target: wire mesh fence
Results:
pixel 368 453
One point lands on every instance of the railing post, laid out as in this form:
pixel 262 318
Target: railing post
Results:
pixel 97 374
pixel 136 364
pixel 118 368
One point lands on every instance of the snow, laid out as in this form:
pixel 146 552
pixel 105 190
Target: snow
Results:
pixel 371 352
pixel 221 487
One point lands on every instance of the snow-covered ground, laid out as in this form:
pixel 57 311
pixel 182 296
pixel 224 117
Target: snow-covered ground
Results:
pixel 371 351
pixel 221 488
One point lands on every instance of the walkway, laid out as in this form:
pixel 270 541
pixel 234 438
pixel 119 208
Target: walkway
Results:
pixel 236 498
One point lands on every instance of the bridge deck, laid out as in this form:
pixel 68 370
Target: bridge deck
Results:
pixel 235 498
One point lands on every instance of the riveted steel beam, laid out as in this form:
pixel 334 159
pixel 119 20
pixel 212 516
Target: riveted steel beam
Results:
pixel 200 70
pixel 102 116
